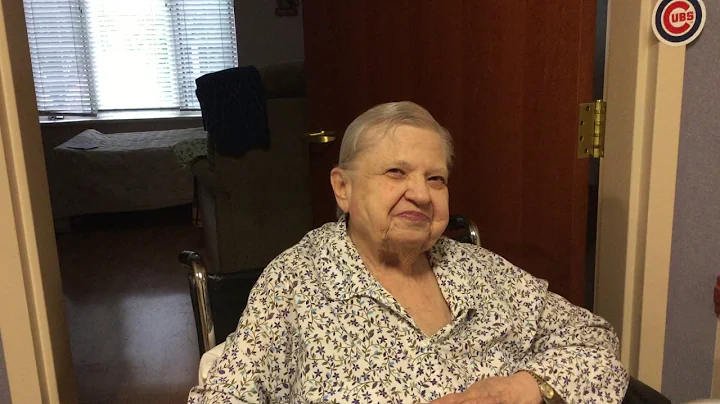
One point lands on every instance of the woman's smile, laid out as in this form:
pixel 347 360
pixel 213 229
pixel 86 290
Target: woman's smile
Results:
pixel 413 216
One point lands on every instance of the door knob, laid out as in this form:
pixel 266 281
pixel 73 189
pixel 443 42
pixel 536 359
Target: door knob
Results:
pixel 323 136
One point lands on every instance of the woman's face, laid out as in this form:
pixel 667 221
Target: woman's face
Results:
pixel 397 193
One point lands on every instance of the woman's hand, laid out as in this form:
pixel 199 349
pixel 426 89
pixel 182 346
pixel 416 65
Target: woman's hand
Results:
pixel 519 388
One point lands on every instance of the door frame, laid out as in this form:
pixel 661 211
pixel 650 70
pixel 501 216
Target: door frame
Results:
pixel 35 341
pixel 715 386
pixel 643 88
pixel 643 82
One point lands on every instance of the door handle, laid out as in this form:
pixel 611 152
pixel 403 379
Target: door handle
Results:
pixel 323 136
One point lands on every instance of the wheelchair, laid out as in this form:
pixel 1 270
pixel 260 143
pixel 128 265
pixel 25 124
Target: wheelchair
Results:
pixel 219 299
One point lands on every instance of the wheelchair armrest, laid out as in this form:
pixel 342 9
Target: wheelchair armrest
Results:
pixel 199 285
pixel 187 258
pixel 640 393
pixel 458 222
pixel 218 298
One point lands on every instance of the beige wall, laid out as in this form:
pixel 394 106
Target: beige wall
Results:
pixel 264 38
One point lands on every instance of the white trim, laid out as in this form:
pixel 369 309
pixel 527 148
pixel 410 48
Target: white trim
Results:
pixel 37 347
pixel 121 116
pixel 660 211
pixel 637 187
pixel 17 336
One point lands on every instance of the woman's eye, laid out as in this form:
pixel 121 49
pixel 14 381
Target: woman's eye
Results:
pixel 438 179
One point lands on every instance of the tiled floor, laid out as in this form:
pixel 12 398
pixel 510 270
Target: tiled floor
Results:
pixel 129 314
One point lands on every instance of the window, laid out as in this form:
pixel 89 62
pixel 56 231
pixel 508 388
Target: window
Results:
pixel 107 55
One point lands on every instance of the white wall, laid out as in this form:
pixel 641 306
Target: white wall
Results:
pixel 264 38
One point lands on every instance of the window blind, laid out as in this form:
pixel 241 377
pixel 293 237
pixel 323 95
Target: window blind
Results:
pixel 132 54
pixel 205 42
pixel 126 54
pixel 59 51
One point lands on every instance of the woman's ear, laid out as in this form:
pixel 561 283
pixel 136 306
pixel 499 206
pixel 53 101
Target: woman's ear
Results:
pixel 340 181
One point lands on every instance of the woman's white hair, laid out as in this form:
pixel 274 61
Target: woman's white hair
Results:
pixel 382 120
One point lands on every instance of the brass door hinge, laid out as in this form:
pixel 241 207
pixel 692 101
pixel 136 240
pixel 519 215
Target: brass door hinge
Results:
pixel 591 129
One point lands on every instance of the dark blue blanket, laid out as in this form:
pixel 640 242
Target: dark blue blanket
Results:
pixel 234 110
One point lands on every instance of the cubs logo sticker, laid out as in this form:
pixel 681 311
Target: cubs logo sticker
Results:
pixel 678 22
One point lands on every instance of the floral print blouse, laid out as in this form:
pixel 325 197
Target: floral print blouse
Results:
pixel 319 328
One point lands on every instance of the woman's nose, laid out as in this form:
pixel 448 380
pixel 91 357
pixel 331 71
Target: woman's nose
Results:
pixel 417 191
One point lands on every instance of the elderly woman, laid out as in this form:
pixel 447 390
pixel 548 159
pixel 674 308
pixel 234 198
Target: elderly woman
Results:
pixel 380 308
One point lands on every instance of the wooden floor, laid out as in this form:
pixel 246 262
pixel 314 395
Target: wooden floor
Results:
pixel 129 314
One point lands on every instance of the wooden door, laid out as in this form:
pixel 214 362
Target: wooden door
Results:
pixel 505 77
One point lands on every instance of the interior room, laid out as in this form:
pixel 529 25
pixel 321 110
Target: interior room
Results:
pixel 158 154
pixel 125 205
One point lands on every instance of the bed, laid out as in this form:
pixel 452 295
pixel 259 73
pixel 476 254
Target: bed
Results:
pixel 96 173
